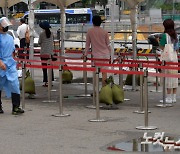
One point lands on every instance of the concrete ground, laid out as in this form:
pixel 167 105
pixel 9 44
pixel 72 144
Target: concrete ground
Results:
pixel 38 132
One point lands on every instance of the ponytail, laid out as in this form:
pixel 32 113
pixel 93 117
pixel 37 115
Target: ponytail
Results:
pixel 48 33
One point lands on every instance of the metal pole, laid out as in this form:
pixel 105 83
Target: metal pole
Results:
pixel 133 18
pixel 31 30
pixel 97 99
pixel 141 91
pixel 146 98
pixel 157 82
pixel 119 6
pixel 82 35
pixel 23 84
pixel 112 31
pixel 85 78
pixel 49 83
pixel 94 90
pixel 146 127
pixel 6 9
pixel 85 81
pixel 120 75
pixel 93 106
pixel 163 104
pixel 60 114
pixel 63 24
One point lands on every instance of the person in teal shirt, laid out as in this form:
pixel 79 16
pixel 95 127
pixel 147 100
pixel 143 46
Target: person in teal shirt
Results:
pixel 8 71
pixel 171 83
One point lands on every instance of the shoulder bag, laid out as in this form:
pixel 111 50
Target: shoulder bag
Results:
pixel 168 54
pixel 27 36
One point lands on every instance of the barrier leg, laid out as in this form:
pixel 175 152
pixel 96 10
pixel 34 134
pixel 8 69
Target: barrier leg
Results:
pixel 52 90
pixel 94 92
pixel 120 75
pixel 49 87
pixel 163 104
pixel 141 93
pixel 97 99
pixel 121 78
pixel 23 84
pixel 157 82
pixel 60 114
pixel 146 127
pixel 85 83
pixel 141 111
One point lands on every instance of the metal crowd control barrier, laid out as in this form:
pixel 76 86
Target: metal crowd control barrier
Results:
pixel 93 106
pixel 60 114
pixel 141 111
pixel 97 99
pixel 146 126
pixel 49 85
pixel 164 104
pixel 85 82
pixel 157 81
pixel 121 75
pixel 23 84
pixel 120 68
pixel 52 90
pixel 85 78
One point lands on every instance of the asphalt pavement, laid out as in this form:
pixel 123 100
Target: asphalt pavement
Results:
pixel 38 132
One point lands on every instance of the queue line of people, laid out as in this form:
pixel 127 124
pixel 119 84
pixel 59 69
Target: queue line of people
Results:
pixel 97 38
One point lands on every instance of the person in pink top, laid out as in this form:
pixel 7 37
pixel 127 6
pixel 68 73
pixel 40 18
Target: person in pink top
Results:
pixel 98 39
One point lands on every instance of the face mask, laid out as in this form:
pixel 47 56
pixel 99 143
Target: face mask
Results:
pixel 5 29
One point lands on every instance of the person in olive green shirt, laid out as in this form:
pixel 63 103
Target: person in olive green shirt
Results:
pixel 171 83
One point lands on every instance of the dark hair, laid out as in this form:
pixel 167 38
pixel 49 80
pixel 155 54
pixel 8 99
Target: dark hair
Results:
pixel 22 20
pixel 48 32
pixel 169 28
pixel 96 20
pixel 45 25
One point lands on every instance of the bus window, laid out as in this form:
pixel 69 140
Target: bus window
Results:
pixel 54 19
pixel 73 16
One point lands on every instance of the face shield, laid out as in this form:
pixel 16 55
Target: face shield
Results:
pixel 5 22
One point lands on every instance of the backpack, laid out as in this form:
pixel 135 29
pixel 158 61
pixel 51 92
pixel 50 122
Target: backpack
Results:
pixel 27 36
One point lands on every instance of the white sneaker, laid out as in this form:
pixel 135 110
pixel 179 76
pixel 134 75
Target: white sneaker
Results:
pixel 167 101
pixel 174 100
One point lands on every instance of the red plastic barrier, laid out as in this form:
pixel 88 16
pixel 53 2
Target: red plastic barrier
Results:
pixel 42 66
pixel 98 59
pixel 75 68
pixel 121 71
pixel 142 61
pixel 161 67
pixel 116 65
pixel 79 68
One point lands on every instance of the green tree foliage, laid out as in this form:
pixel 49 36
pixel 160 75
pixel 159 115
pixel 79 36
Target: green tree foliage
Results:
pixel 163 4
pixel 177 6
pixel 85 3
pixel 103 3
